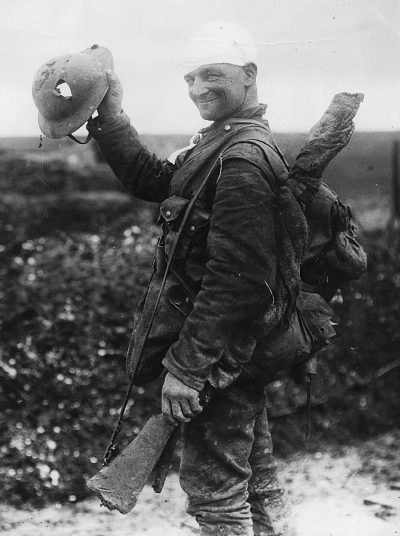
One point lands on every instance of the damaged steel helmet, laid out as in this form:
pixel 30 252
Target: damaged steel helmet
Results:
pixel 68 89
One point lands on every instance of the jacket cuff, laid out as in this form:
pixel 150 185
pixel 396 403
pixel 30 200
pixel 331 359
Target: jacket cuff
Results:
pixel 181 374
pixel 97 128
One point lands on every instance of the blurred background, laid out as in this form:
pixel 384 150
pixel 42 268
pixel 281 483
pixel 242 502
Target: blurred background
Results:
pixel 76 249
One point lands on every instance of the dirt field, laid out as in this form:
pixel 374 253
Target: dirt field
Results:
pixel 327 487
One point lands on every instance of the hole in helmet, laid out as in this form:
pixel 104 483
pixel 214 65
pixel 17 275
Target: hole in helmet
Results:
pixel 63 89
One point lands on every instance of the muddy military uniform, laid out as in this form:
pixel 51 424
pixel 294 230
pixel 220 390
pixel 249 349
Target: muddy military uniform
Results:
pixel 234 280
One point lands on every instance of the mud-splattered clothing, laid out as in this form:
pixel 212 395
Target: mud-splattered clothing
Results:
pixel 240 256
pixel 240 252
pixel 228 469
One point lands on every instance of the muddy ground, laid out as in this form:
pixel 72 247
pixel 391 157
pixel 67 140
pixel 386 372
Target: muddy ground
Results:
pixel 328 488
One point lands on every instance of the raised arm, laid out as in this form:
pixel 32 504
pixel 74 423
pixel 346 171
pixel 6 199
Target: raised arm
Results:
pixel 142 173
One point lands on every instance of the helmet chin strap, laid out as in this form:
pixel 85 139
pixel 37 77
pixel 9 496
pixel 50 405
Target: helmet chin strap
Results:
pixel 89 137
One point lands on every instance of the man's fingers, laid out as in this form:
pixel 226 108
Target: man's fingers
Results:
pixel 166 407
pixel 186 409
pixel 112 78
pixel 111 104
pixel 114 84
pixel 177 412
pixel 195 405
pixel 172 410
pixel 111 75
pixel 167 411
pixel 184 400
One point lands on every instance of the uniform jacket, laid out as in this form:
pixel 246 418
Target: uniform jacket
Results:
pixel 239 255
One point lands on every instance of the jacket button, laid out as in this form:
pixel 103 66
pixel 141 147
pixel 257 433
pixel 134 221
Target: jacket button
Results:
pixel 227 128
pixel 168 213
pixel 192 228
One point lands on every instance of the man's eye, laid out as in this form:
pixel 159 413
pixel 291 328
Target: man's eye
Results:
pixel 212 77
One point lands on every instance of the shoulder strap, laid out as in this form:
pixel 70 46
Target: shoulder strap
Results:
pixel 273 156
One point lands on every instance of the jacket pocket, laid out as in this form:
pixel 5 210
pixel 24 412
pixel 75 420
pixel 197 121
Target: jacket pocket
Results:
pixel 172 211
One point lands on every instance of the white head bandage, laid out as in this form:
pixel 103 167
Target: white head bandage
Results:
pixel 219 42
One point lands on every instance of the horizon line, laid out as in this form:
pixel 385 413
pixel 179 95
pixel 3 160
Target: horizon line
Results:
pixel 82 136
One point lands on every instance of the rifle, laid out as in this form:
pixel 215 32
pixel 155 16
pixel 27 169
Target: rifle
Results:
pixel 119 483
pixel 123 475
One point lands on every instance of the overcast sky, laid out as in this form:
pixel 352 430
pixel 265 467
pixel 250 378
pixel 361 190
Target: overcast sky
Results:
pixel 308 51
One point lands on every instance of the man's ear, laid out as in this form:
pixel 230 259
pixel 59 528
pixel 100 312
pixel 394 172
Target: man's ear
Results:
pixel 250 70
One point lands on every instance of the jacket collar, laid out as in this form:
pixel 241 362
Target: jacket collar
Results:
pixel 256 112
pixel 212 133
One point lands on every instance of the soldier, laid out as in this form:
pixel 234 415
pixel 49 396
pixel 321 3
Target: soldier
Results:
pixel 233 280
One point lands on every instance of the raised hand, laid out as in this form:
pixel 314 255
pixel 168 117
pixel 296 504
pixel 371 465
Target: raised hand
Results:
pixel 111 105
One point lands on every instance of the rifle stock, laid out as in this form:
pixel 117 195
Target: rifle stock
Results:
pixel 119 484
pixel 165 461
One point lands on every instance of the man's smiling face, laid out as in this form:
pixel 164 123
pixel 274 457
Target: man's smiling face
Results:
pixel 218 89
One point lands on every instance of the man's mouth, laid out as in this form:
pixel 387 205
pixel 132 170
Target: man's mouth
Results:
pixel 206 101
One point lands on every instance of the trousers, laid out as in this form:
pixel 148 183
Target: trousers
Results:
pixel 228 470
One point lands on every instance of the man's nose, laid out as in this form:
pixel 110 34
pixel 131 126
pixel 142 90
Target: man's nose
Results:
pixel 198 89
